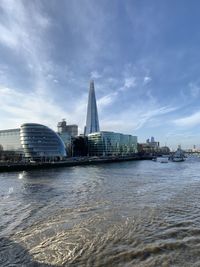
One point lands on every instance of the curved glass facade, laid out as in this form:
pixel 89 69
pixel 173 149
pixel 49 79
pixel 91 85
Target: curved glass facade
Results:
pixel 39 141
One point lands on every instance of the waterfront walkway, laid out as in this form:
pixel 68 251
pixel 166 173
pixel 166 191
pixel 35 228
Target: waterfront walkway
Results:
pixel 23 166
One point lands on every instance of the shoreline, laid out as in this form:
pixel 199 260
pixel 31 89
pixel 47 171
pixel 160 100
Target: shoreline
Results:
pixel 10 167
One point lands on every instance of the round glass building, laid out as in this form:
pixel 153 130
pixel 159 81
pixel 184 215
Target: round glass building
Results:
pixel 40 142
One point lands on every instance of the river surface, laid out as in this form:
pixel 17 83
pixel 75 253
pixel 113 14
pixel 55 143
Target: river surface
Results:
pixel 139 213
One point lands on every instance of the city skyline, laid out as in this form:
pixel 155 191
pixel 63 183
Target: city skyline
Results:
pixel 142 55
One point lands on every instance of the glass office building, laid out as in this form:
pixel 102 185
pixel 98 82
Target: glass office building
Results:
pixel 34 141
pixel 111 144
pixel 67 140
pixel 10 140
pixel 39 141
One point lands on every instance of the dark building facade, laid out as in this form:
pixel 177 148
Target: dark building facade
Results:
pixel 79 146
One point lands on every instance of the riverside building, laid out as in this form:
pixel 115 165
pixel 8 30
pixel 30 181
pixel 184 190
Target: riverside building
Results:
pixel 71 129
pixel 106 143
pixel 67 133
pixel 152 147
pixel 40 142
pixel 10 140
pixel 33 141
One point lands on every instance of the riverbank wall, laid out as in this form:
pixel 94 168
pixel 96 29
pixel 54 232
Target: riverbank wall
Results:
pixel 19 166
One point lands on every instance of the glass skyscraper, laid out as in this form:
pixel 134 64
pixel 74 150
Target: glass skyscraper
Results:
pixel 92 122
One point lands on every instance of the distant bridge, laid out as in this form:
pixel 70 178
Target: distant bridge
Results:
pixel 193 153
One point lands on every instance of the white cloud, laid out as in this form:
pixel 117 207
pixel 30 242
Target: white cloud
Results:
pixel 144 117
pixel 147 80
pixel 194 90
pixel 24 34
pixel 36 107
pixel 95 75
pixel 130 82
pixel 7 37
pixel 189 121
pixel 106 100
pixel 134 117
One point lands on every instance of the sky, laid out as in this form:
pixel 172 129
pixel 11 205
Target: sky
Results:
pixel 143 55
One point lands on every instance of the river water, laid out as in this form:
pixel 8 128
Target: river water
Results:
pixel 139 213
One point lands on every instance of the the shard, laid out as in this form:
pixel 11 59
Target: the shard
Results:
pixel 92 122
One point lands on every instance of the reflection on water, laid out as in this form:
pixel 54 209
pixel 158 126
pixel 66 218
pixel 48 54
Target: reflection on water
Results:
pixel 126 214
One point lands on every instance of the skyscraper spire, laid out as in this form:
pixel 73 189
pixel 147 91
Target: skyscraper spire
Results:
pixel 92 122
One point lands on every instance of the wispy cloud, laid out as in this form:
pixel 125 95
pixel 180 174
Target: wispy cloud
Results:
pixel 34 107
pixel 194 89
pixel 106 100
pixel 50 50
pixel 188 121
pixel 147 80
pixel 95 75
pixel 140 116
pixel 130 82
pixel 24 33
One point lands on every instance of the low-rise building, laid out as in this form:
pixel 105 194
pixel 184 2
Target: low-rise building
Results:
pixel 152 143
pixel 106 143
pixel 10 140
pixel 148 148
pixel 71 129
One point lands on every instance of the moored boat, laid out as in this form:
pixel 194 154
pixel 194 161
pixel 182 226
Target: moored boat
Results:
pixel 162 159
pixel 178 156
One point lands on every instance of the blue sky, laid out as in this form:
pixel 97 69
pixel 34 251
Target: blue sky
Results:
pixel 143 56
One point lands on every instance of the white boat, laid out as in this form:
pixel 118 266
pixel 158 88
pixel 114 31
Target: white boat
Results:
pixel 162 159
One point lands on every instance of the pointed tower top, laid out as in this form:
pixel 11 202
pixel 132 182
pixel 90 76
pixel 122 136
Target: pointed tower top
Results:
pixel 92 122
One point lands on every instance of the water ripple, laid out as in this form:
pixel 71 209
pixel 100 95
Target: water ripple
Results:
pixel 127 214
